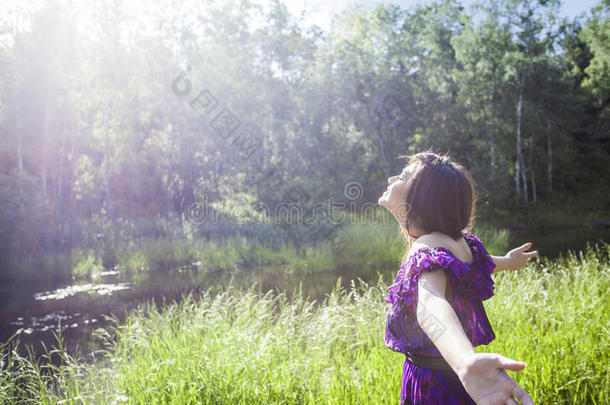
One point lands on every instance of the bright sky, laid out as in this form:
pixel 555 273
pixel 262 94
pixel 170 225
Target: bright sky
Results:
pixel 321 10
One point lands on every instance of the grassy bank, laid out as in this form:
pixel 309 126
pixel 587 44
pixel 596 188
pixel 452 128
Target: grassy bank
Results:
pixel 249 348
pixel 370 244
pixel 372 240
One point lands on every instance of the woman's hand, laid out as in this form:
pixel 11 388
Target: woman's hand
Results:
pixel 518 257
pixel 487 383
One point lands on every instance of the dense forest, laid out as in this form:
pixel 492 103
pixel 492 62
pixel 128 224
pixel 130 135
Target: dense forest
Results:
pixel 183 120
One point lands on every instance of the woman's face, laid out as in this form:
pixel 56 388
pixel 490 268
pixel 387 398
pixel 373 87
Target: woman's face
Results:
pixel 394 198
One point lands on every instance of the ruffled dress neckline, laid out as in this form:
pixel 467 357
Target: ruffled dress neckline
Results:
pixel 470 242
pixel 474 277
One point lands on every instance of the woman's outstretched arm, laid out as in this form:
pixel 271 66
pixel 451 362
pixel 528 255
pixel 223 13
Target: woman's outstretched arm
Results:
pixel 482 374
pixel 500 262
pixel 514 259
pixel 438 320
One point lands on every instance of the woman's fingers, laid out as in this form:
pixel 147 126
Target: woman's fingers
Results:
pixel 511 364
pixel 522 396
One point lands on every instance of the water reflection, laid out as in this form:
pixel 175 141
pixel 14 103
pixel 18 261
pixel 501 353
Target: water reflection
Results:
pixel 553 242
pixel 61 293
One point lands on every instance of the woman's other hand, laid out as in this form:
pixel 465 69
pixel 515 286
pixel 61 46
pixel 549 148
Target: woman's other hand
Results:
pixel 518 257
pixel 487 383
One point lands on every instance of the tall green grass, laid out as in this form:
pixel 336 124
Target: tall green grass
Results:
pixel 246 347
pixel 555 316
pixel 375 243
pixel 231 253
pixel 371 244
pixel 87 264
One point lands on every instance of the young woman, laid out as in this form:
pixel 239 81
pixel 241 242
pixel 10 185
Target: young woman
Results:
pixel 437 315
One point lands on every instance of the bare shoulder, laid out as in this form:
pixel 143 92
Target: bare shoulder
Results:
pixel 459 248
pixel 432 240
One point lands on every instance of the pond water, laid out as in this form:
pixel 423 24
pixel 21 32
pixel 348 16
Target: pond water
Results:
pixel 36 311
pixel 553 242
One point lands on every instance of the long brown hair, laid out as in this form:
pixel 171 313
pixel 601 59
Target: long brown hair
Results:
pixel 441 196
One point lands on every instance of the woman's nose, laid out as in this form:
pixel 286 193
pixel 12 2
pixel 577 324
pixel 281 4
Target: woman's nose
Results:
pixel 391 179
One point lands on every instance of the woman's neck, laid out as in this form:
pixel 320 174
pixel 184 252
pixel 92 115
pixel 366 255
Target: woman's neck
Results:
pixel 415 231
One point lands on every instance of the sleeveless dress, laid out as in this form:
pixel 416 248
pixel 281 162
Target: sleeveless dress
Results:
pixel 468 284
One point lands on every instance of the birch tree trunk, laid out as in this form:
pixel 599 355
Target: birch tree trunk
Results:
pixel 45 143
pixel 491 136
pixel 534 197
pixel 549 154
pixel 71 207
pixel 524 180
pixel 531 169
pixel 164 197
pixel 518 157
pixel 14 29
pixel 107 162
pixel 60 169
pixel 19 140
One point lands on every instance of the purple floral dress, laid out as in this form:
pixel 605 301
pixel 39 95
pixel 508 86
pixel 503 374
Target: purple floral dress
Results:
pixel 468 284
